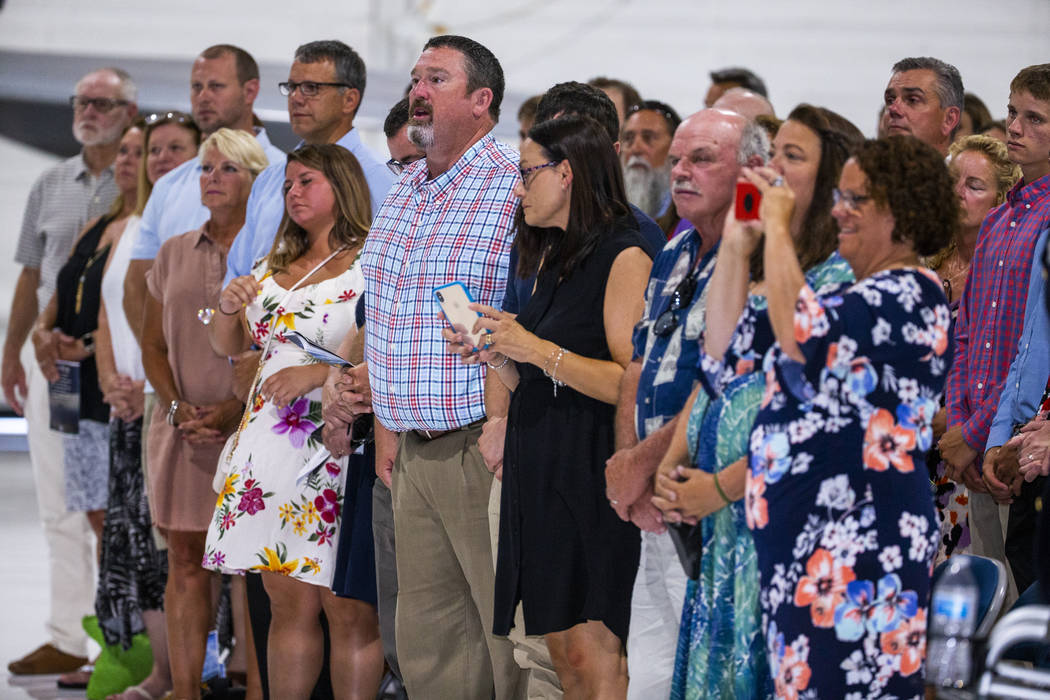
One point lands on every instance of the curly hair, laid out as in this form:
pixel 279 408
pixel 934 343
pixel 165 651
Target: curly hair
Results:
pixel 910 178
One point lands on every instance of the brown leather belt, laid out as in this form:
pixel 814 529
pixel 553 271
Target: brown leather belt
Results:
pixel 435 434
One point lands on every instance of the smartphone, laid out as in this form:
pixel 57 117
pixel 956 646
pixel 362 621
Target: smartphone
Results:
pixel 748 199
pixel 453 299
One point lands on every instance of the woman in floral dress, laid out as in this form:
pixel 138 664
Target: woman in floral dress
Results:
pixel 837 499
pixel 721 648
pixel 274 514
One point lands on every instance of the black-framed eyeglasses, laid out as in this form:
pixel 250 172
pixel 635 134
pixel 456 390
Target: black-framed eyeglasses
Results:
pixel 681 298
pixel 526 172
pixel 174 117
pixel 398 166
pixel 102 105
pixel 307 88
pixel 850 200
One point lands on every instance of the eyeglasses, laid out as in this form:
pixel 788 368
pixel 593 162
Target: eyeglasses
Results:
pixel 102 105
pixel 307 88
pixel 398 166
pixel 525 172
pixel 850 200
pixel 166 117
pixel 681 297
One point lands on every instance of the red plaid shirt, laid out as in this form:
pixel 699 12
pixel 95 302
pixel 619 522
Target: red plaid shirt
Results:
pixel 991 313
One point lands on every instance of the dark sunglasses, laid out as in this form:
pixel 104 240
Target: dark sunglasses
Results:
pixel 681 298
pixel 361 431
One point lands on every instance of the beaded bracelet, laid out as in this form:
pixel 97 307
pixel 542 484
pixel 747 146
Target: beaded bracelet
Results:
pixel 553 374
pixel 718 487
pixel 501 365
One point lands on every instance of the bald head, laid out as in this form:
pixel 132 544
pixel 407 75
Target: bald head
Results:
pixel 705 165
pixel 745 102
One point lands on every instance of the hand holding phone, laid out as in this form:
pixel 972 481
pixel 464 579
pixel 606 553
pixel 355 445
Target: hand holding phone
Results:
pixel 748 201
pixel 454 300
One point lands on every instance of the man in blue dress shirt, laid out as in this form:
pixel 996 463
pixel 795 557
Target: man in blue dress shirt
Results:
pixel 325 85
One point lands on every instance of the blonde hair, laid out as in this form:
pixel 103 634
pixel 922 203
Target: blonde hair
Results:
pixel 239 146
pixel 353 208
pixel 1007 175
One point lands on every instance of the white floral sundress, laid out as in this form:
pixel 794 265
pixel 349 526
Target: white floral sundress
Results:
pixel 266 518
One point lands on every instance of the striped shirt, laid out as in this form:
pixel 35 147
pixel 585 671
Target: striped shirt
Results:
pixel 60 204
pixel 456 227
pixel 992 309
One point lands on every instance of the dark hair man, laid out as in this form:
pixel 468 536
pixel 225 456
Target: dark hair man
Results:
pixel 449 218
pixel 924 99
pixel 726 78
pixel 622 93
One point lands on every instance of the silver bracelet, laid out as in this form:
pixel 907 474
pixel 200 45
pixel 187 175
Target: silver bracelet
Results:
pixel 171 412
pixel 553 374
pixel 501 365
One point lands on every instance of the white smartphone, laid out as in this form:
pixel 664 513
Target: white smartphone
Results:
pixel 453 299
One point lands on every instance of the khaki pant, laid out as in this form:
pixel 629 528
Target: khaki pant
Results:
pixel 445 645
pixel 530 653
pixel 70 541
pixel 988 536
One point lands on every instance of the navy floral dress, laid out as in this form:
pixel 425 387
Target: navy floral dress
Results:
pixel 838 498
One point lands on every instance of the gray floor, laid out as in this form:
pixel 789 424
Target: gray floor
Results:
pixel 23 580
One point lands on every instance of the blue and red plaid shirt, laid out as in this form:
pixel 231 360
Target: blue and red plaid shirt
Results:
pixel 456 227
pixel 992 310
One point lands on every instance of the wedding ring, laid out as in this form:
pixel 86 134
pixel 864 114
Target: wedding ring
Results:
pixel 1031 458
pixel 778 182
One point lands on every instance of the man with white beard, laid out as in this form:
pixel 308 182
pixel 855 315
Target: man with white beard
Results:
pixel 646 138
pixel 63 199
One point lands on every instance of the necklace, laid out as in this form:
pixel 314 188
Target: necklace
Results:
pixel 83 276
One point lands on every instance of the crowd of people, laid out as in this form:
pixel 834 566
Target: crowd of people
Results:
pixel 732 385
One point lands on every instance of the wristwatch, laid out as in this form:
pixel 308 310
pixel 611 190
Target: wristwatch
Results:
pixel 88 341
pixel 171 412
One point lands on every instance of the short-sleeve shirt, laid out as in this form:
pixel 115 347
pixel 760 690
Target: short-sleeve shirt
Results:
pixel 187 276
pixel 63 199
pixel 174 206
pixel 266 205
pixel 669 363
pixel 457 226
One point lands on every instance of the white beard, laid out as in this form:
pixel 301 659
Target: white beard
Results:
pixel 97 137
pixel 421 135
pixel 647 187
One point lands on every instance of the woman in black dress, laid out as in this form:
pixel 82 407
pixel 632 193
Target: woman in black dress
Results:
pixel 563 552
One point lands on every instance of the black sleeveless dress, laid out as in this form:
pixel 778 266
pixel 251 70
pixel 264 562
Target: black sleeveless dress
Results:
pixel 78 289
pixel 563 551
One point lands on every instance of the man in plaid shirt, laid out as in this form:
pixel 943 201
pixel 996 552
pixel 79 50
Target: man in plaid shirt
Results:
pixel 450 218
pixel 992 310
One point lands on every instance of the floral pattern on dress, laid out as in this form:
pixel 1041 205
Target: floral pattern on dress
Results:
pixel 840 510
pixel 268 516
pixel 721 648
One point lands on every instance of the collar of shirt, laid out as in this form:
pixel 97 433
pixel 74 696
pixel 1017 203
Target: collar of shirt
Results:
pixel 84 172
pixel 446 181
pixel 1026 194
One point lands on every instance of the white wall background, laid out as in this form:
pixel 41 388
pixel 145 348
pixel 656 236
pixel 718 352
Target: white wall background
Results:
pixel 836 54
